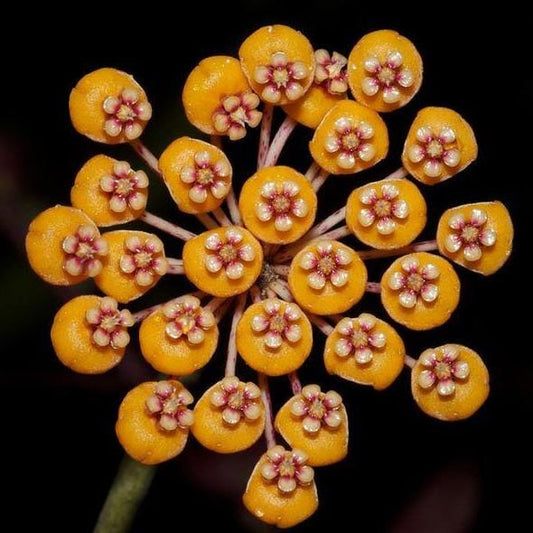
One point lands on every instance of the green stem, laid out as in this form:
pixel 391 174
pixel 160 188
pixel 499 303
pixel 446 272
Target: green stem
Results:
pixel 125 495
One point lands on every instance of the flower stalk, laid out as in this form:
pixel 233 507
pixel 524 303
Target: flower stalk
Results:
pixel 126 494
pixel 207 221
pixel 312 171
pixel 373 286
pixel 221 217
pixel 221 311
pixel 326 224
pixel 281 137
pixel 296 385
pixel 281 288
pixel 175 266
pixel 325 327
pixel 422 246
pixel 410 361
pixel 319 180
pixel 167 227
pixel 150 159
pixel 233 208
pixel 231 361
pixel 264 136
pixel 270 434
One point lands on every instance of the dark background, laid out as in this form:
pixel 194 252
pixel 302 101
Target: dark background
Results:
pixel 405 472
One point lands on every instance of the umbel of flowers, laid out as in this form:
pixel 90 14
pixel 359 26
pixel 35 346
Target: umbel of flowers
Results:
pixel 265 255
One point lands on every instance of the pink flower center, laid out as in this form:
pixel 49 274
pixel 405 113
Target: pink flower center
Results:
pixel 383 208
pixel 206 176
pixel 125 113
pixel 110 322
pixel 109 325
pixel 386 75
pixel 288 468
pixel 82 252
pixel 144 260
pixel 281 78
pixel 326 264
pixel 228 253
pixel 443 368
pixel 415 281
pixel 281 202
pixel 330 71
pixel 350 141
pixel 472 234
pixel 235 113
pixel 277 324
pixel 435 150
pixel 237 400
pixel 169 406
pixel 389 77
pixel 317 408
pixel 125 187
pixel 187 318
pixel 359 337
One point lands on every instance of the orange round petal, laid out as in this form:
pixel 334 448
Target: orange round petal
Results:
pixel 350 138
pixel 265 501
pixel 325 447
pixel 469 394
pixel 139 432
pixel 282 195
pixel 440 143
pixel 197 257
pixel 276 58
pixel 44 242
pixel 423 314
pixel 213 432
pixel 72 338
pixel 387 359
pixel 331 298
pixel 384 70
pixel 87 100
pixel 386 214
pixel 313 106
pixel 211 88
pixel 88 195
pixel 266 352
pixel 176 357
pixel 113 280
pixel 477 236
pixel 192 170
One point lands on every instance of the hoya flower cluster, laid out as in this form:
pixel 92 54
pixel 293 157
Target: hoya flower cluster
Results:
pixel 266 257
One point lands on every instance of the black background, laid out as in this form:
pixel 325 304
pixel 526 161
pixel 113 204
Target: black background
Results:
pixel 405 472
